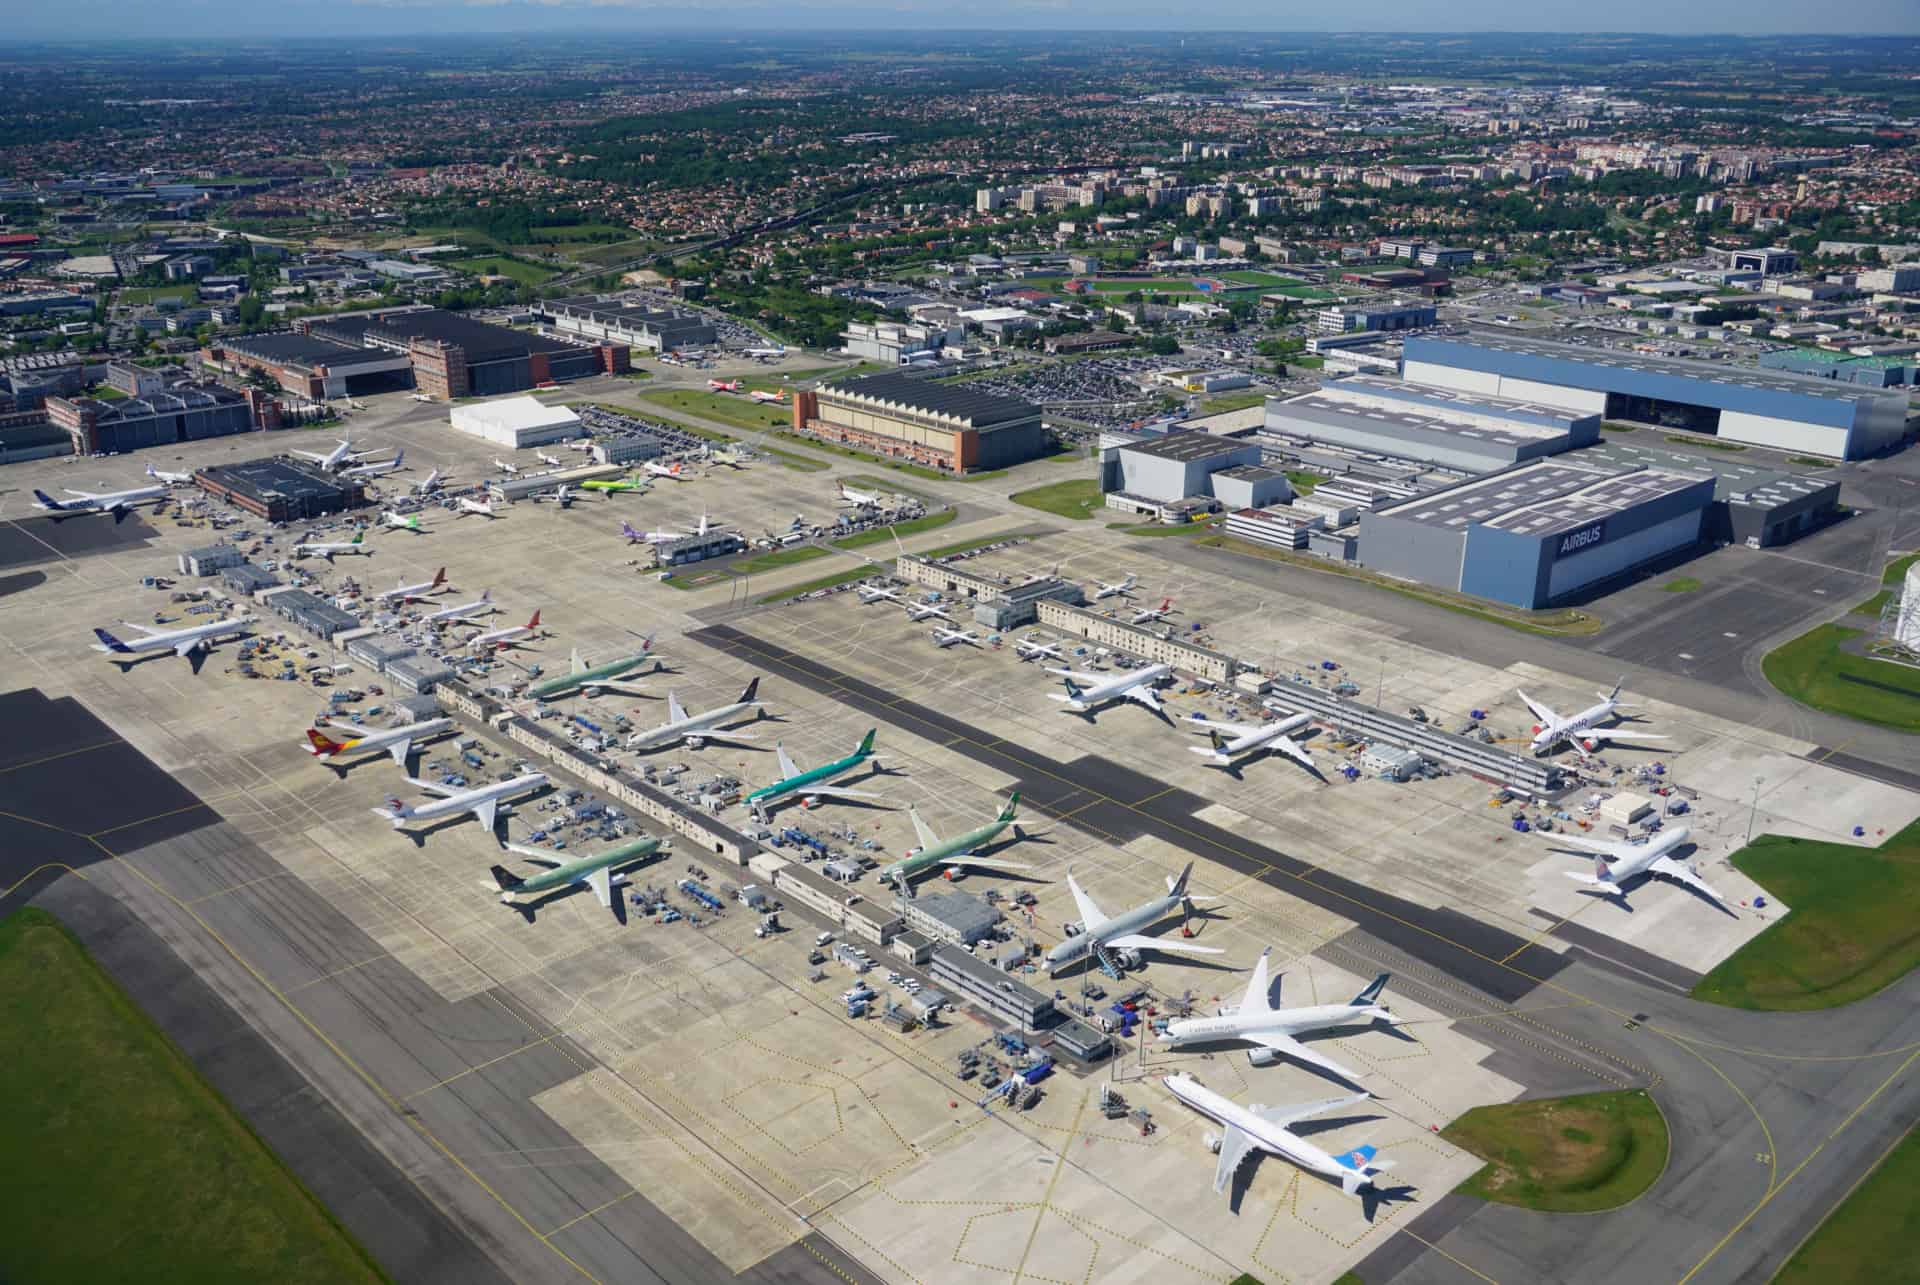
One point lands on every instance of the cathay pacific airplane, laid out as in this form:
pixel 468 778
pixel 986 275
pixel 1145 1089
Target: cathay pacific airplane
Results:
pixel 1257 1021
pixel 1088 692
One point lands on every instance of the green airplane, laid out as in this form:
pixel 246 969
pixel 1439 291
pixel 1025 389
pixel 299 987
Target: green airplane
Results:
pixel 934 851
pixel 812 784
pixel 600 678
pixel 608 485
pixel 595 872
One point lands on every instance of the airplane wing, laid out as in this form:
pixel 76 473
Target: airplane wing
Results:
pixel 1284 1116
pixel 187 646
pixel 486 812
pixel 1680 872
pixel 1136 941
pixel 1235 1145
pixel 788 770
pixel 1576 844
pixel 1293 750
pixel 618 686
pixel 400 749
pixel 535 855
pixel 1089 680
pixel 1615 734
pixel 927 837
pixel 838 792
pixel 148 630
pixel 1236 728
pixel 1255 998
pixel 1144 695
pixel 1540 711
pixel 1090 914
pixel 723 734
pixel 445 792
pixel 967 860
pixel 601 881
pixel 675 712
pixel 1285 1045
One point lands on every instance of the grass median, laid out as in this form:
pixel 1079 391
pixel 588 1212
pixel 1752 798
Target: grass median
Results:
pixel 885 534
pixel 1078 498
pixel 1867 1236
pixel 1817 670
pixel 1576 1155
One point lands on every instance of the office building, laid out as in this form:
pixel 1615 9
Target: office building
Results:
pixel 1770 262
pixel 209 560
pixel 1756 407
pixel 1900 279
pixel 182 413
pixel 1752 504
pixel 517 422
pixel 1376 317
pixel 654 329
pixel 890 342
pixel 1250 486
pixel 281 490
pixel 958 918
pixel 311 613
pixel 944 426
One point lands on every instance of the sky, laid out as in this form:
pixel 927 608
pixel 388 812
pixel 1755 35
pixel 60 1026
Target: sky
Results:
pixel 93 19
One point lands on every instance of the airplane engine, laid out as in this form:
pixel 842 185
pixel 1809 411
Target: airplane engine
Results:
pixel 696 742
pixel 1128 959
pixel 1071 929
pixel 1538 728
pixel 1262 1057
pixel 1590 744
pixel 1212 1141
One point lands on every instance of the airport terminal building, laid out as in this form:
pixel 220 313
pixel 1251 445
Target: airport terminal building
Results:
pixel 1754 407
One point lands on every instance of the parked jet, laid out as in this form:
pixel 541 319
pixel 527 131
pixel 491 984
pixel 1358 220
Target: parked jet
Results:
pixel 511 470
pixel 465 505
pixel 1256 1021
pixel 333 549
pixel 397 741
pixel 918 611
pixel 666 537
pixel 481 606
pixel 944 638
pixel 507 637
pixel 1134 686
pixel 768 398
pixel 1028 650
pixel 871 593
pixel 403 522
pixel 429 484
pixel 695 730
pixel 1152 614
pixel 483 803
pixel 597 871
pixel 1262 1128
pixel 1123 589
pixel 552 461
pixel 730 457
pixel 607 486
pixel 1100 933
pixel 169 479
pixel 1247 738
pixel 181 642
pixel 415 592
pixel 723 385
pixel 767 352
pixel 1578 730
pixel 597 679
pixel 935 852
pixel 393 465
pixel 811 786
pixel 561 495
pixel 672 470
pixel 1619 864
pixel 862 499
pixel 118 503
pixel 337 458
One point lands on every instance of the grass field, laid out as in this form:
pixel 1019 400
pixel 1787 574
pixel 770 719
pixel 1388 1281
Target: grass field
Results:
pixel 1853 924
pixel 183 290
pixel 1870 1229
pixel 527 274
pixel 1681 584
pixel 1232 401
pixel 1564 1155
pixel 884 535
pixel 824 582
pixel 1892 577
pixel 780 558
pixel 123 1165
pixel 727 408
pixel 1077 498
pixel 1813 670
pixel 1304 482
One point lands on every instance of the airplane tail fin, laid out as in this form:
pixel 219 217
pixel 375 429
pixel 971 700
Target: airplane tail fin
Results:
pixel 322 743
pixel 1602 872
pixel 439 578
pixel 1614 695
pixel 750 695
pixel 1073 693
pixel 1358 1168
pixel 1178 887
pixel 150 472
pixel 486 595
pixel 1219 742
pixel 1371 995
pixel 110 642
pixel 358 536
pixel 47 501
pixel 1013 802
pixel 504 879
pixel 395 811
pixel 866 742
pixel 535 622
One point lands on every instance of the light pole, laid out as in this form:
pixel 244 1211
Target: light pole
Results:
pixel 1754 812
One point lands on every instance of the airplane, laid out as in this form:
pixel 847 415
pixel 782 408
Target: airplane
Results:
pixel 415 592
pixel 1250 737
pixel 511 470
pixel 811 786
pixel 862 499
pixel 329 551
pixel 957 851
pixel 336 458
pixel 1257 1021
pixel 1262 1128
pixel 584 447
pixel 1632 862
pixel 729 457
pixel 608 485
pixel 1134 686
pixel 465 505
pixel 483 605
pixel 663 537
pixel 397 741
pixel 918 611
pixel 561 495
pixel 483 803
pixel 552 461
pixel 695 730
pixel 169 479
pixel 419 397
pixel 766 352
pixel 1100 933
pixel 596 871
pixel 944 638
pixel 1123 589
pixel 763 395
pixel 118 503
pixel 1038 651
pixel 665 470
pixel 870 593
pixel 403 522
pixel 429 484
pixel 393 465
pixel 182 642
pixel 1152 614
pixel 599 678
pixel 507 637
pixel 1578 730
pixel 723 385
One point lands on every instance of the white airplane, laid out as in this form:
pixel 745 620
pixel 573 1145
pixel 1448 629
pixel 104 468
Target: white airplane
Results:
pixel 1122 589
pixel 672 470
pixel 584 447
pixel 561 495
pixel 402 522
pixel 1100 932
pixel 419 397
pixel 552 461
pixel 871 593
pixel 918 611
pixel 1152 614
pixel 393 465
pixel 415 592
pixel 663 537
pixel 397 741
pixel 1578 730
pixel 483 803
pixel 331 550
pixel 429 484
pixel 1246 1130
pixel 118 503
pixel 695 730
pixel 169 479
pixel 499 638
pixel 766 352
pixel 1134 686
pixel 1027 650
pixel 511 470
pixel 1616 865
pixel 766 397
pixel 944 638
pixel 1257 1021
pixel 338 457
pixel 483 605
pixel 181 642
pixel 466 504
pixel 1253 736
pixel 861 499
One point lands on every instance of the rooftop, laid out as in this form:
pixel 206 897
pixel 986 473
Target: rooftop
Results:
pixel 291 349
pixel 174 401
pixel 1542 498
pixel 276 476
pixel 956 401
pixel 1334 412
pixel 1188 447
pixel 482 340
pixel 1733 481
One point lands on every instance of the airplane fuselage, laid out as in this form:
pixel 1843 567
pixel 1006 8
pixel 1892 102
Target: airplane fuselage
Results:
pixel 1116 688
pixel 798 784
pixel 1123 924
pixel 937 854
pixel 690 726
pixel 468 800
pixel 567 684
pixel 368 742
pixel 193 639
pixel 1260 738
pixel 1288 1021
pixel 577 870
pixel 1644 855
pixel 1267 1136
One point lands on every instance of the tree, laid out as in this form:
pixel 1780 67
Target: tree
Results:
pixel 1163 345
pixel 251 311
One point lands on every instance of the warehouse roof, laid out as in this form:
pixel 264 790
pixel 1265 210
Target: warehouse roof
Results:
pixel 289 349
pixel 1299 414
pixel 482 340
pixel 1188 447
pixel 1541 498
pixel 518 413
pixel 174 401
pixel 1733 480
pixel 957 401
pixel 278 476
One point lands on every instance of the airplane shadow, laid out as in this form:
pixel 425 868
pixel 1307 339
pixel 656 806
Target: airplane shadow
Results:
pixel 1373 1199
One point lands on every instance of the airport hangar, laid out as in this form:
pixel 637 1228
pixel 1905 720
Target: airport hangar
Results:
pixel 946 426
pixel 1756 407
pixel 310 366
pixel 454 356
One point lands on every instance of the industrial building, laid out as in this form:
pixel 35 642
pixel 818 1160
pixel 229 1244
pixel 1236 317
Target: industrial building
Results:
pixel 516 422
pixel 891 342
pixel 697 547
pixel 1376 317
pixel 1539 533
pixel 455 356
pixel 1751 505
pixel 209 560
pixel 511 490
pixel 979 982
pixel 958 918
pixel 1873 372
pixel 311 613
pixel 26 435
pixel 419 674
pixel 1019 604
pixel 310 366
pixel 1757 407
pixel 1470 432
pixel 183 413
pixel 1176 467
pixel 944 426
pixel 654 329
pixel 1163 648
pixel 280 489
pixel 1250 486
